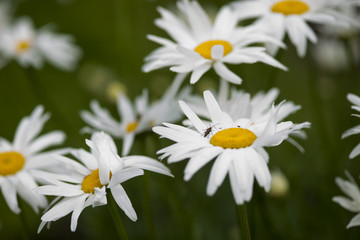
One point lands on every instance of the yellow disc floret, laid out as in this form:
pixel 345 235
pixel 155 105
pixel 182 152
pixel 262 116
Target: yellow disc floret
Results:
pixel 91 181
pixel 289 7
pixel 11 163
pixel 204 49
pixel 22 46
pixel 233 138
pixel 131 127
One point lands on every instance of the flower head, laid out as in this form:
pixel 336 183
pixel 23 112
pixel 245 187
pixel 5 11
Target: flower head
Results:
pixel 352 203
pixel 87 182
pixel 355 130
pixel 20 159
pixel 277 17
pixel 138 118
pixel 199 45
pixel 237 145
pixel 31 47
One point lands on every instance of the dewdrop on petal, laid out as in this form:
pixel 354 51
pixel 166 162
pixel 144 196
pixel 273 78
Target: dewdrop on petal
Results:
pixel 279 184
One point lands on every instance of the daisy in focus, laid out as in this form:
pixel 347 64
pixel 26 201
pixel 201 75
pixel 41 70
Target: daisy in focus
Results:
pixel 199 44
pixel 137 118
pixel 278 17
pixel 352 201
pixel 355 130
pixel 30 47
pixel 100 172
pixel 20 160
pixel 239 104
pixel 236 145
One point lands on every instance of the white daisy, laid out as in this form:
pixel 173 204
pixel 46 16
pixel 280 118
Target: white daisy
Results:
pixel 237 145
pixel 278 17
pixel 30 47
pixel 200 44
pixel 239 104
pixel 19 160
pixel 354 130
pixel 352 203
pixel 138 118
pixel 101 172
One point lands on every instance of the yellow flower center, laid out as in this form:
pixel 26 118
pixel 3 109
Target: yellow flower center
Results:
pixel 131 127
pixel 204 49
pixel 92 181
pixel 22 46
pixel 288 7
pixel 233 138
pixel 11 163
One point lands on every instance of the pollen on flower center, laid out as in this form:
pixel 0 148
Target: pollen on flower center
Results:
pixel 233 138
pixel 288 7
pixel 22 46
pixel 92 181
pixel 11 163
pixel 131 127
pixel 204 49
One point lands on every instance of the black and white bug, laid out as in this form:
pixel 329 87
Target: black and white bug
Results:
pixel 208 130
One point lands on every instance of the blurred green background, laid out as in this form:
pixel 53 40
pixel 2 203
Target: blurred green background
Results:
pixel 112 35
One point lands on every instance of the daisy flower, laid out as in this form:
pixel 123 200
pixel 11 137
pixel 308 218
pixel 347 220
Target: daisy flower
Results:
pixel 352 202
pixel 135 119
pixel 277 17
pixel 21 158
pixel 87 183
pixel 199 45
pixel 239 104
pixel 355 130
pixel 237 146
pixel 31 47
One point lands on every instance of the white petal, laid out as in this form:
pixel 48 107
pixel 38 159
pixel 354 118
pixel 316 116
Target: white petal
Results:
pixel 123 201
pixel 199 160
pixel 198 72
pixel 65 191
pixel 146 163
pixel 225 73
pixel 355 152
pixel 78 208
pixel 198 124
pixel 355 221
pixel 217 52
pixel 124 175
pixel 9 193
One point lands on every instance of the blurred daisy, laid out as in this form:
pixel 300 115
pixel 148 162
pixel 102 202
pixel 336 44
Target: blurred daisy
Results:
pixel 200 45
pixel 31 47
pixel 100 172
pixel 135 119
pixel 256 108
pixel 237 145
pixel 355 130
pixel 278 17
pixel 20 159
pixel 352 203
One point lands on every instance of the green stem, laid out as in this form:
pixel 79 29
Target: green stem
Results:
pixel 24 227
pixel 147 208
pixel 113 208
pixel 149 216
pixel 243 223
